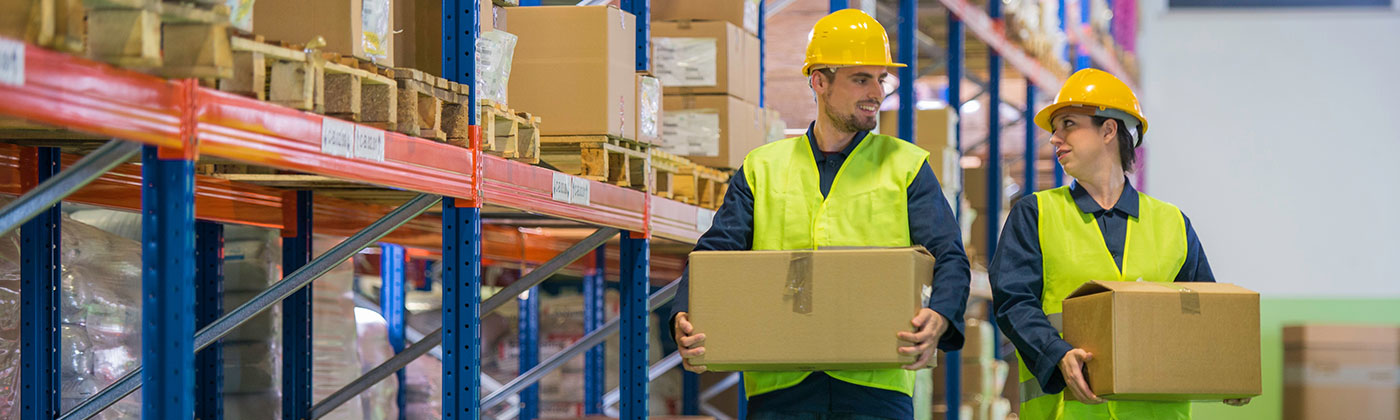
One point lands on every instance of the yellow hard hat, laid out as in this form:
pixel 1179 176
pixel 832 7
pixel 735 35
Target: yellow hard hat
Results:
pixel 1097 88
pixel 847 38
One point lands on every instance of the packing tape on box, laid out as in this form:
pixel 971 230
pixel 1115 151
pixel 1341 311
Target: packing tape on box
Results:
pixel 799 282
pixel 1351 375
pixel 1190 299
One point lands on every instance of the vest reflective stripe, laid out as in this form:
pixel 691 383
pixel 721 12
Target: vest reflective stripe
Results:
pixel 1072 253
pixel 867 206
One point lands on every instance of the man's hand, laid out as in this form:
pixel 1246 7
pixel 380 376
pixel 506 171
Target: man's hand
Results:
pixel 1072 366
pixel 928 327
pixel 1237 402
pixel 691 345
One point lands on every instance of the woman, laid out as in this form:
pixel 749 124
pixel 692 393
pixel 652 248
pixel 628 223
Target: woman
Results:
pixel 1099 228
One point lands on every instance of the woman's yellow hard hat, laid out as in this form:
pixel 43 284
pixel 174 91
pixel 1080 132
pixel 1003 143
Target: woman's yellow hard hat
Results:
pixel 847 38
pixel 1109 96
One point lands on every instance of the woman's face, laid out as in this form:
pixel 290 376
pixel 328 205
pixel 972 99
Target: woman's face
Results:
pixel 1081 147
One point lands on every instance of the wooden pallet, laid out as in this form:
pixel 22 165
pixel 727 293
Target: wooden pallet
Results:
pixel 281 74
pixel 174 40
pixel 56 24
pixel 508 133
pixel 701 186
pixel 599 158
pixel 664 167
pixel 359 90
pixel 432 107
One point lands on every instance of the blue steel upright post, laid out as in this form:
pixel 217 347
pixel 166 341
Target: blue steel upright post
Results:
pixel 1031 149
pixel 594 312
pixel 296 309
pixel 762 50
pixel 908 55
pixel 209 306
pixel 993 139
pixel 461 237
pixel 40 288
pixel 391 304
pixel 167 286
pixel 953 359
pixel 529 344
pixel 642 10
pixel 633 379
pixel 839 5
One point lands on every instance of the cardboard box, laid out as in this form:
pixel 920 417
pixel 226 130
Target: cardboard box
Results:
pixel 582 82
pixel 717 131
pixel 706 58
pixel 775 128
pixel 341 22
pixel 741 13
pixel 977 343
pixel 1212 353
pixel 806 310
pixel 648 116
pixel 418 32
pixel 934 131
pixel 1341 372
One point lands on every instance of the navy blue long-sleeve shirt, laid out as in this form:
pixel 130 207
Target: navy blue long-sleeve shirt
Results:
pixel 931 224
pixel 1017 276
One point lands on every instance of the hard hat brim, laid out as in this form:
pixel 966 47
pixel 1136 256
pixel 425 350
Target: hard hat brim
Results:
pixel 807 70
pixel 1042 118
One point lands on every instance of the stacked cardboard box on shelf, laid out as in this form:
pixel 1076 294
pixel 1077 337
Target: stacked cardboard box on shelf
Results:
pixel 1341 372
pixel 580 82
pixel 363 28
pixel 934 131
pixel 706 55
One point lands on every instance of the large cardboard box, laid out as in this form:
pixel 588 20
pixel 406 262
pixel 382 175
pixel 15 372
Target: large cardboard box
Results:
pixel 934 131
pixel 806 310
pixel 1167 341
pixel 741 13
pixel 582 82
pixel 711 130
pixel 1341 372
pixel 706 58
pixel 363 28
pixel 648 110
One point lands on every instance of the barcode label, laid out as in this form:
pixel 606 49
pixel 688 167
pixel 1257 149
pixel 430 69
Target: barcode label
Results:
pixel 11 62
pixel 581 194
pixel 563 187
pixel 369 143
pixel 337 137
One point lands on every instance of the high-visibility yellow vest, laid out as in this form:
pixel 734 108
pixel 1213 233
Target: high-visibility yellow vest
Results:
pixel 1073 253
pixel 867 206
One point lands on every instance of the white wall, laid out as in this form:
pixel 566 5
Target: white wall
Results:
pixel 1278 133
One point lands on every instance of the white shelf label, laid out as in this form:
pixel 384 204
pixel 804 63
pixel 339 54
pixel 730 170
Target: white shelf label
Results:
pixel 704 218
pixel 563 188
pixel 337 137
pixel 580 194
pixel 369 143
pixel 11 62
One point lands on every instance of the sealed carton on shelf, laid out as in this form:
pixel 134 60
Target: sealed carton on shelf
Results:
pixel 706 58
pixel 1341 372
pixel 977 343
pixel 711 130
pixel 774 128
pixel 581 82
pixel 741 13
pixel 934 131
pixel 362 28
pixel 806 310
pixel 648 116
pixel 1213 353
pixel 418 32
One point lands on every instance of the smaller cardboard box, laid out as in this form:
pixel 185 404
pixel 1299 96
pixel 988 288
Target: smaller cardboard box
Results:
pixel 741 13
pixel 711 130
pixel 1341 372
pixel 806 310
pixel 1155 341
pixel 355 27
pixel 706 58
pixel 580 82
pixel 934 131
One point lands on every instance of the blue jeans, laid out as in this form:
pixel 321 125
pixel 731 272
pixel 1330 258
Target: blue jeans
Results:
pixel 808 415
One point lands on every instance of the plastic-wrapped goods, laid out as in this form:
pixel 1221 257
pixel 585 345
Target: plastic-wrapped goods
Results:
pixel 423 389
pixel 494 52
pixel 256 406
pixel 648 109
pixel 241 14
pixel 374 25
pixel 380 401
pixel 335 354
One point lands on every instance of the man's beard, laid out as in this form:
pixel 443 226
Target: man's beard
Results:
pixel 847 123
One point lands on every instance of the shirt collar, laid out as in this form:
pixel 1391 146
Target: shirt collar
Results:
pixel 817 151
pixel 1127 203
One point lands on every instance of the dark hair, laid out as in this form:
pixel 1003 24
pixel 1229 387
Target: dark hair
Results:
pixel 1126 153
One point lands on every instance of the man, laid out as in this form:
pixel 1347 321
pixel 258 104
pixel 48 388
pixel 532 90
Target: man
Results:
pixel 840 185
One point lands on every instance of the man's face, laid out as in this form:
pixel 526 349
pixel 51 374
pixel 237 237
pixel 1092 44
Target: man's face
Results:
pixel 851 97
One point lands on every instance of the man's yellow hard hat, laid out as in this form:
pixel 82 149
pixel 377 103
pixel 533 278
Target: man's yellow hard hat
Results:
pixel 1099 89
pixel 847 38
